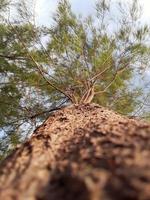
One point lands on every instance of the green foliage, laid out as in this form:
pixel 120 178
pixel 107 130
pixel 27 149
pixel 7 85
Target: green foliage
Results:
pixel 36 76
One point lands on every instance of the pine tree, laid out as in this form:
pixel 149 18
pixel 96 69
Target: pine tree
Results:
pixel 84 151
pixel 82 60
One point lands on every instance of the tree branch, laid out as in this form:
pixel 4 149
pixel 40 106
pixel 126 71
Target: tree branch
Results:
pixel 111 82
pixel 50 110
pixel 11 57
pixel 39 67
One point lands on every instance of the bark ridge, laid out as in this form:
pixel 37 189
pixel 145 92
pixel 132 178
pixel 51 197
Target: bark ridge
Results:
pixel 84 152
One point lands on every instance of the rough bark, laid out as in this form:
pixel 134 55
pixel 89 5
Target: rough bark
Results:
pixel 83 152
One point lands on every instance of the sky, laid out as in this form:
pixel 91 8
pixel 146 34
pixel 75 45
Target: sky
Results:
pixel 45 9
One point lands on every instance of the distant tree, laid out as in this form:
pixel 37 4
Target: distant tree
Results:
pixel 75 60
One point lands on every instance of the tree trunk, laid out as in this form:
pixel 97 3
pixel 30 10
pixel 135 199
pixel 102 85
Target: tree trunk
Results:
pixel 81 152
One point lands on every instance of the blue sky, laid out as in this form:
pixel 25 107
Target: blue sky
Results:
pixel 45 8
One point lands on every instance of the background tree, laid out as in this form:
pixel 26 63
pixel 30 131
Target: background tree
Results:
pixel 75 60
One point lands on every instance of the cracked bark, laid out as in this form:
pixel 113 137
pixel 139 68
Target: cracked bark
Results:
pixel 84 152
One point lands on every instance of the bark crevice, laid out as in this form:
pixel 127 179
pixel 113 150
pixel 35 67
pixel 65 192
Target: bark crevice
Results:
pixel 82 152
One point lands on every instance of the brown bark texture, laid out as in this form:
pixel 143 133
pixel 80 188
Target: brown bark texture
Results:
pixel 84 152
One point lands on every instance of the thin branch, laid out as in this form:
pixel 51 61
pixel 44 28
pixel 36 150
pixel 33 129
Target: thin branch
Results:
pixel 119 71
pixel 23 119
pixel 111 82
pixel 38 66
pixel 97 75
pixel 45 52
pixel 84 57
pixel 11 57
pixel 50 110
pixel 142 104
